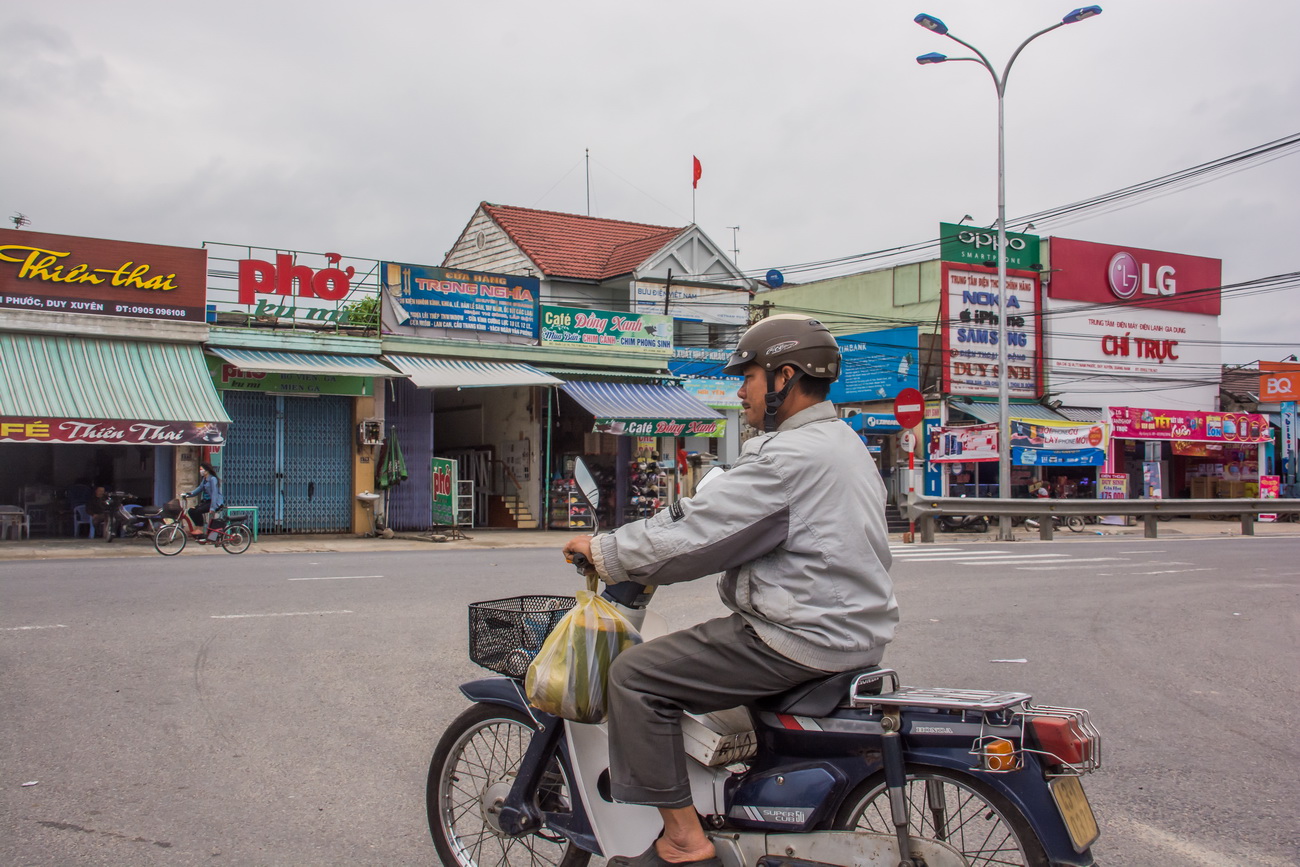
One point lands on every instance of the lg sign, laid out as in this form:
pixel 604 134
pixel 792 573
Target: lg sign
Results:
pixel 1102 273
pixel 1127 276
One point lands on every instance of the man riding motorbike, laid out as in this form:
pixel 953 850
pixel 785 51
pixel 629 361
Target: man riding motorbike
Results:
pixel 797 526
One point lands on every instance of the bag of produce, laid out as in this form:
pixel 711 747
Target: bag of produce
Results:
pixel 569 676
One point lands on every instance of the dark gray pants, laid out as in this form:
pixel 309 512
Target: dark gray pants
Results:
pixel 713 666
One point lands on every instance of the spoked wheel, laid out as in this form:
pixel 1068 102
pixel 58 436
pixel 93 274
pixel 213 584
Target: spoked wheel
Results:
pixel 471 773
pixel 1075 523
pixel 170 539
pixel 954 809
pixel 236 539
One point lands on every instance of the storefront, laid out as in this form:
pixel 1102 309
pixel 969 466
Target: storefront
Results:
pixel 1177 454
pixel 296 432
pixel 130 408
pixel 630 435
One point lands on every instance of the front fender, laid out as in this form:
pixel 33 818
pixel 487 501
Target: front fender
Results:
pixel 498 690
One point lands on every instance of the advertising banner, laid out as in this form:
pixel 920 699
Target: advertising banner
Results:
pixel 1278 381
pixel 228 377
pixel 877 365
pixel 971 307
pixel 1033 433
pixel 1027 457
pixel 874 422
pixel 425 296
pixel 629 332
pixel 719 305
pixel 949 445
pixel 933 483
pixel 1270 488
pixel 975 245
pixel 23 429
pixel 1112 486
pixel 1152 488
pixel 64 274
pixel 717 393
pixel 1176 424
pixel 1127 277
pixel 661 427
pixel 445 474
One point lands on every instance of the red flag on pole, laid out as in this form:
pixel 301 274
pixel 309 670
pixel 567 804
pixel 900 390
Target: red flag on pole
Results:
pixel 695 178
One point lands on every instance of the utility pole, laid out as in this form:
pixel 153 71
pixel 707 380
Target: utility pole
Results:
pixel 587 151
pixel 735 249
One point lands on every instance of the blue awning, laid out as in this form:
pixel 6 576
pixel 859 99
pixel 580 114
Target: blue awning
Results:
pixel 626 400
pixel 426 372
pixel 988 412
pixel 270 361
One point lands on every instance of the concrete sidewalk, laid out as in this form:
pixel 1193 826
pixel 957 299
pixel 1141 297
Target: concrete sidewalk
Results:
pixel 58 549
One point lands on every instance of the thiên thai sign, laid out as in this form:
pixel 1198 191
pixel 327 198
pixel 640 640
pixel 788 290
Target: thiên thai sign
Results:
pixel 228 377
pixel 975 245
pixel 66 274
pixel 429 297
pixel 632 332
pixel 1178 424
pixel 20 429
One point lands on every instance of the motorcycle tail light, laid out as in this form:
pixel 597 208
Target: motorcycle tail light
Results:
pixel 1062 738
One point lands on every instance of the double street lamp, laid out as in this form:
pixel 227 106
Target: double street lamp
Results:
pixel 929 22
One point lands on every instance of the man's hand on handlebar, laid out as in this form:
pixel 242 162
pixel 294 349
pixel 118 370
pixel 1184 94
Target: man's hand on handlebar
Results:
pixel 578 552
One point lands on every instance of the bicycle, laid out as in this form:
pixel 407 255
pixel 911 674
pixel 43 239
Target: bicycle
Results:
pixel 233 535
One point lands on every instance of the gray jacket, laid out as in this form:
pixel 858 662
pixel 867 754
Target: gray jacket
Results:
pixel 797 526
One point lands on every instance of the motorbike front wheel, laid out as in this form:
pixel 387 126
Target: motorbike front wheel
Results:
pixel 471 773
pixel 170 539
pixel 1075 523
pixel 236 539
pixel 953 808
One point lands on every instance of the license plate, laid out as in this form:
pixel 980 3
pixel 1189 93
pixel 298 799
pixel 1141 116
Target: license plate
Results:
pixel 1075 810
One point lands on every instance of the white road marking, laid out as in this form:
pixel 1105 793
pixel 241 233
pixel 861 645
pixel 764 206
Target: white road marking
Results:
pixel 1171 571
pixel 1141 552
pixel 993 558
pixel 1193 852
pixel 281 614
pixel 24 628
pixel 335 577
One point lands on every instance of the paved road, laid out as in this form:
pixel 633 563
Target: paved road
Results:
pixel 281 708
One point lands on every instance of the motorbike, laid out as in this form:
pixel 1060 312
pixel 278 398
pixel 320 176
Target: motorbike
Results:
pixel 962 523
pixel 130 520
pixel 852 769
pixel 1074 522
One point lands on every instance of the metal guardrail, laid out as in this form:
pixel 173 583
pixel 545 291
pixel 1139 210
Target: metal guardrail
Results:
pixel 924 510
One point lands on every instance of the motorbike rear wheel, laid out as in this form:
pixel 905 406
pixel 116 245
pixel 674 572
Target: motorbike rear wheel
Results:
pixel 170 539
pixel 236 539
pixel 953 808
pixel 1075 523
pixel 473 768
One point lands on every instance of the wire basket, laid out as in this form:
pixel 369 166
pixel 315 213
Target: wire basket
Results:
pixel 505 634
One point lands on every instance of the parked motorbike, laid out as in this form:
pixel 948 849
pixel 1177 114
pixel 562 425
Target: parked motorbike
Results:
pixel 1074 522
pixel 851 769
pixel 129 520
pixel 963 523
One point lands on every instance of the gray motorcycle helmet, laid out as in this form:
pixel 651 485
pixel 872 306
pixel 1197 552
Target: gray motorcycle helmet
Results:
pixel 787 338
pixel 801 342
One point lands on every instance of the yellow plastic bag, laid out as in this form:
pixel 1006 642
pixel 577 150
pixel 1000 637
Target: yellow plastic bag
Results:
pixel 569 676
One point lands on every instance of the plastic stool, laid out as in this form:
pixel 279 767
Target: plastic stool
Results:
pixel 249 510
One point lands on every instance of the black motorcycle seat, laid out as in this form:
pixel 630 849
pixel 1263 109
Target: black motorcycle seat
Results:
pixel 815 698
pixel 148 511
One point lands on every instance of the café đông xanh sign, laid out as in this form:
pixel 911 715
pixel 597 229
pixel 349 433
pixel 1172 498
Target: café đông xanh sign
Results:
pixel 65 274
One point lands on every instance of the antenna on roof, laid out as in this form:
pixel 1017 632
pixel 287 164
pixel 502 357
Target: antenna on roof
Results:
pixel 587 151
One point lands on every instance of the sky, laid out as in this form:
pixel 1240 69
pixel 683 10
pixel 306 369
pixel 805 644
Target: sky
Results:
pixel 375 129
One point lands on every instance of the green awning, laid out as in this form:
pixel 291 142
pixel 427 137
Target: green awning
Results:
pixel 272 361
pixel 72 380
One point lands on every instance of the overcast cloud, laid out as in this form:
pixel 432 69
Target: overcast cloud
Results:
pixel 375 129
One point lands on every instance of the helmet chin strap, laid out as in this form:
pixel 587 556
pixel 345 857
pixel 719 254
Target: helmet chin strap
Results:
pixel 773 399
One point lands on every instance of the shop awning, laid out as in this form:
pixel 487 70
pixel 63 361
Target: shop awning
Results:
pixel 320 364
pixel 626 400
pixel 988 412
pixel 427 372
pixel 1083 413
pixel 75 389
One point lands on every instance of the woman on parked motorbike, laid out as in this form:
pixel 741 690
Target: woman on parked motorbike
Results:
pixel 797 526
pixel 209 494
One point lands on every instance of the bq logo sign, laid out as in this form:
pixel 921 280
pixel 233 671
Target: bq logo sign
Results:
pixel 1279 381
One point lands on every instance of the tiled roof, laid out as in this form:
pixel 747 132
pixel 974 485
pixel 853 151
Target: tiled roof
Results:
pixel 585 248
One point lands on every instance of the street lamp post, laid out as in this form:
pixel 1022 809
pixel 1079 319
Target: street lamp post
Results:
pixel 929 22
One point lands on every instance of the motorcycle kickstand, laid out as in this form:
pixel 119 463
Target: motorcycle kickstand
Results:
pixel 891 748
